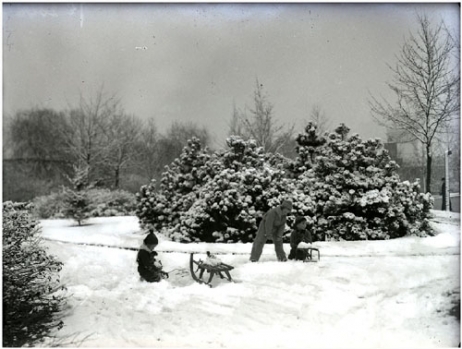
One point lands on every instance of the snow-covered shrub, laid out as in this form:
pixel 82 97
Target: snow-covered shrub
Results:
pixel 76 205
pixel 101 203
pixel 308 147
pixel 347 189
pixel 76 202
pixel 226 193
pixel 49 206
pixel 106 203
pixel 162 207
pixel 32 294
pixel 153 208
pixel 357 192
pixel 230 205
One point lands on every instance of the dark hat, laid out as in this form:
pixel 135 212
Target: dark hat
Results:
pixel 151 239
pixel 299 219
pixel 287 204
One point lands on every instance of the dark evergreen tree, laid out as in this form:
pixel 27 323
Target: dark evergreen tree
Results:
pixel 33 297
pixel 230 204
pixel 162 207
pixel 346 187
pixel 77 203
pixel 358 194
pixel 308 145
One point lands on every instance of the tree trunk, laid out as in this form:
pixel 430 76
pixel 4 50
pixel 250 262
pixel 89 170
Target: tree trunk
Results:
pixel 116 182
pixel 429 169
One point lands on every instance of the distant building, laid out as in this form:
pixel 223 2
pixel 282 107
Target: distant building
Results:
pixel 408 154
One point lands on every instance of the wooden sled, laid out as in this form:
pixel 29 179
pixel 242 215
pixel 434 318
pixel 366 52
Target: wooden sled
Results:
pixel 211 269
pixel 309 254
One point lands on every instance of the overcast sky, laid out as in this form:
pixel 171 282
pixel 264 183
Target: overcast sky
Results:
pixel 197 60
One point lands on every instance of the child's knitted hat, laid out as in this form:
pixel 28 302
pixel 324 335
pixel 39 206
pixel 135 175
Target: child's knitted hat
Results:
pixel 298 220
pixel 151 239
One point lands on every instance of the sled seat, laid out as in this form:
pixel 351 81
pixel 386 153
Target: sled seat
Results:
pixel 211 269
pixel 309 254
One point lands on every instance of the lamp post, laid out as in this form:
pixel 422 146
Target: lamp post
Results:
pixel 446 178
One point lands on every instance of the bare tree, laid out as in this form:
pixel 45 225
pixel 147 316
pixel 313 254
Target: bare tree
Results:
pixel 176 138
pixel 33 134
pixel 86 138
pixel 35 157
pixel 449 141
pixel 147 150
pixel 121 134
pixel 235 126
pixel 318 116
pixel 426 87
pixel 7 140
pixel 261 124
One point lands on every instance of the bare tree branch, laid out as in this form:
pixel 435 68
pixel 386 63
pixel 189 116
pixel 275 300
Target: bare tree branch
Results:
pixel 426 87
pixel 259 123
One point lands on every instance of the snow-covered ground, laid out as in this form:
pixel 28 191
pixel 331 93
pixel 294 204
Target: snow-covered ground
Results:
pixel 370 294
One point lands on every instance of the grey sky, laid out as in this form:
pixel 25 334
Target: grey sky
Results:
pixel 202 58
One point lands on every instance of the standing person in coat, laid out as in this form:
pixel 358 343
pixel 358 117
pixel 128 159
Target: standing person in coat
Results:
pixel 443 195
pixel 149 268
pixel 272 227
pixel 299 237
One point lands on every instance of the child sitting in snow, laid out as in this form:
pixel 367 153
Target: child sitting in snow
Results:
pixel 149 268
pixel 300 238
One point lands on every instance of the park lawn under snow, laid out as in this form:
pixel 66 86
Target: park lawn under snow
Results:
pixel 375 294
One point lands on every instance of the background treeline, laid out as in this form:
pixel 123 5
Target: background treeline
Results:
pixel 121 151
pixel 42 147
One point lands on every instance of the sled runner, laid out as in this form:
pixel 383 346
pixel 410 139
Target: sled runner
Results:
pixel 309 254
pixel 202 266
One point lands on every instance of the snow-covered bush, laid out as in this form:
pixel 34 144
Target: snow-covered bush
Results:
pixel 162 207
pixel 32 294
pixel 49 206
pixel 357 192
pixel 308 147
pixel 106 203
pixel 226 195
pixel 101 203
pixel 230 205
pixel 76 205
pixel 76 202
pixel 347 189
pixel 153 208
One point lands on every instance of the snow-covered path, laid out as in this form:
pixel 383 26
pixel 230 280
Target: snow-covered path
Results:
pixel 361 294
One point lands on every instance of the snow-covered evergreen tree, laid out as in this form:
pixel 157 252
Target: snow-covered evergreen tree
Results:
pixel 33 296
pixel 76 198
pixel 357 192
pixel 163 207
pixel 346 187
pixel 308 147
pixel 234 200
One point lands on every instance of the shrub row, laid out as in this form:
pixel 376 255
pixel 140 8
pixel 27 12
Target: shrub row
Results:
pixel 102 203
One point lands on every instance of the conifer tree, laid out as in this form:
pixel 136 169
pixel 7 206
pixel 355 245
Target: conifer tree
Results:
pixel 76 199
pixel 230 204
pixel 358 194
pixel 33 296
pixel 308 145
pixel 177 191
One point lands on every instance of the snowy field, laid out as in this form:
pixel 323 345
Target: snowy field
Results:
pixel 369 294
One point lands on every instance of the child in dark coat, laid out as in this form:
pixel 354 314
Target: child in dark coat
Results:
pixel 149 268
pixel 299 237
